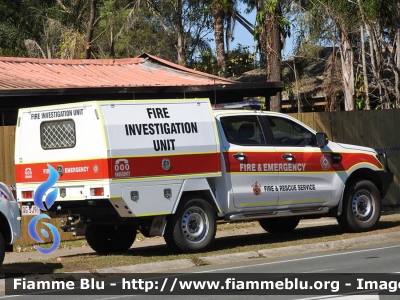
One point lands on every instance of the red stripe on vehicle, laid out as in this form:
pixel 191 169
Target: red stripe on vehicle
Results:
pixel 179 165
pixel 72 170
pixel 303 162
pixel 84 170
pixel 351 159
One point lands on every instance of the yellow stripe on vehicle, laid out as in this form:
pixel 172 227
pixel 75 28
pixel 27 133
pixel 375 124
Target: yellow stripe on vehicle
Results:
pixel 300 201
pixel 192 100
pixel 57 106
pixel 281 173
pixel 215 126
pixel 152 215
pixel 365 163
pixel 281 202
pixel 61 161
pixel 258 204
pixel 103 125
pixel 69 183
pixel 164 155
pixel 166 177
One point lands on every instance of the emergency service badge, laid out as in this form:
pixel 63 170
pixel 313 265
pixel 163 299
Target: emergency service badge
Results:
pixel 60 170
pixel 325 162
pixel 166 164
pixel 256 189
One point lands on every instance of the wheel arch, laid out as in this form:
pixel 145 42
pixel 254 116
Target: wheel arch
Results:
pixel 366 174
pixel 199 188
pixel 203 194
pixel 5 228
pixel 360 174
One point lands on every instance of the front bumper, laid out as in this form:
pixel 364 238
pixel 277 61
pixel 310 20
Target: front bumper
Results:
pixel 386 180
pixel 386 176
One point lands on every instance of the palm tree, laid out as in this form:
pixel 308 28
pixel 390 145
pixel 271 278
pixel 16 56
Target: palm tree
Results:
pixel 223 13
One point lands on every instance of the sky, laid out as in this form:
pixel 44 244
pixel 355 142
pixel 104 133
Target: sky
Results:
pixel 243 37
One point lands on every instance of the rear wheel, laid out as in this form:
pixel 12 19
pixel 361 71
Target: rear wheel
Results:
pixel 361 207
pixel 279 225
pixel 109 238
pixel 192 228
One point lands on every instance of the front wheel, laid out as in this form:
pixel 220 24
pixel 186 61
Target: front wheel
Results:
pixel 361 207
pixel 192 228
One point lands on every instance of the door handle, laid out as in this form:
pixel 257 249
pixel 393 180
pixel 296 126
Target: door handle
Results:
pixel 239 156
pixel 288 157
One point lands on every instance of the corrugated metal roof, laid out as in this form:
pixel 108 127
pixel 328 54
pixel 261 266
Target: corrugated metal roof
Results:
pixel 143 71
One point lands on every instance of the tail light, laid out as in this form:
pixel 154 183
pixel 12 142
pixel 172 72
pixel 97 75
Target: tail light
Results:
pixel 27 194
pixel 97 191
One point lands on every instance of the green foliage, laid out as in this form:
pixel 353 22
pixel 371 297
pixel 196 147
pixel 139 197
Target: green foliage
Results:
pixel 239 61
pixel 270 6
pixel 360 92
pixel 206 62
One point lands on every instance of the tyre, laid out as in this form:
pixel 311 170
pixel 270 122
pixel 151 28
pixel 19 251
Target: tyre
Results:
pixel 361 207
pixel 106 239
pixel 2 249
pixel 192 228
pixel 279 225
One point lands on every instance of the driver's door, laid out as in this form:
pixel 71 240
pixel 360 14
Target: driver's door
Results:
pixel 305 170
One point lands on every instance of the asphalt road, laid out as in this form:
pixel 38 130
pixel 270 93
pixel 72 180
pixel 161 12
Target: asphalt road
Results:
pixel 382 258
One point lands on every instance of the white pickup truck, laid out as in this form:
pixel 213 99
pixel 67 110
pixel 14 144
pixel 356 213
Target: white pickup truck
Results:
pixel 175 167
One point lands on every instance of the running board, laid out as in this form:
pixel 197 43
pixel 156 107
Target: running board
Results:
pixel 276 214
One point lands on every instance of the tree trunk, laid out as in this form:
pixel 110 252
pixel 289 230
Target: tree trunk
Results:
pixel 90 29
pixel 112 43
pixel 397 80
pixel 274 47
pixel 262 40
pixel 299 106
pixel 374 66
pixel 383 93
pixel 364 65
pixel 181 37
pixel 347 59
pixel 219 38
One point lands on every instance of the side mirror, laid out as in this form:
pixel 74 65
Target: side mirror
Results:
pixel 322 139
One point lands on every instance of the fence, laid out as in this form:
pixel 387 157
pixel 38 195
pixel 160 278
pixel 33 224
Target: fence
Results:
pixel 27 240
pixel 376 129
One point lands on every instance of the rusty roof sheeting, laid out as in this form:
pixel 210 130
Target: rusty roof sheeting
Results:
pixel 143 71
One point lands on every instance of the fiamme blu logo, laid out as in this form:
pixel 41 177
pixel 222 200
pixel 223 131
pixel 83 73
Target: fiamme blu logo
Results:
pixel 44 206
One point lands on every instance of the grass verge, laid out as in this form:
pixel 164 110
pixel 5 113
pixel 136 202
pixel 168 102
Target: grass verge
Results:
pixel 225 245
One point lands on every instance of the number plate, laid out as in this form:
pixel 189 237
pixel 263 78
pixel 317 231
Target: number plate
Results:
pixel 30 210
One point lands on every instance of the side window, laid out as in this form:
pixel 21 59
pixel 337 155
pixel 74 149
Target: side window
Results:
pixel 289 133
pixel 243 130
